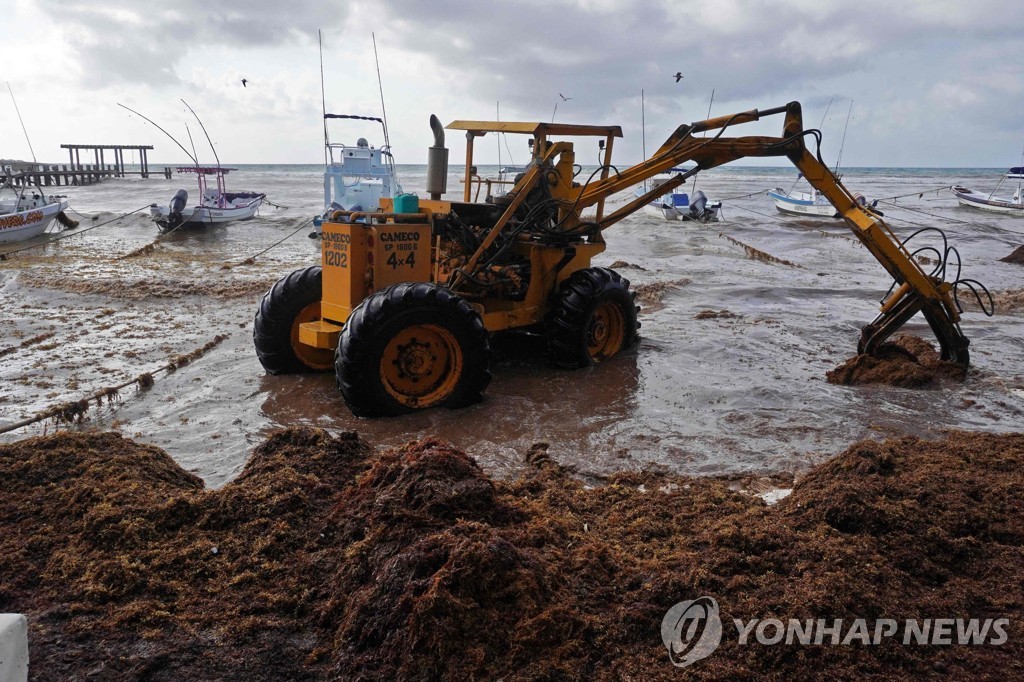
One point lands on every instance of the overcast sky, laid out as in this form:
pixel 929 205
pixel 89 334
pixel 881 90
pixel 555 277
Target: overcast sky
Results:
pixel 933 82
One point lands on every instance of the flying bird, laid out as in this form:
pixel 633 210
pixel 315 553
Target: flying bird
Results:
pixel 244 81
pixel 679 76
pixel 564 98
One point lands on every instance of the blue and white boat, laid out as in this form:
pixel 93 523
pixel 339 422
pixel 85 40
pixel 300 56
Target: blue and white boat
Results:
pixel 989 201
pixel 803 203
pixel 356 177
pixel 679 204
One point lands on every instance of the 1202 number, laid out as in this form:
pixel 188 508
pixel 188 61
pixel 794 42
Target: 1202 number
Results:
pixel 338 259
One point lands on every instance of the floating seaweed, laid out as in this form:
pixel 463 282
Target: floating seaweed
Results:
pixel 75 411
pixel 758 254
pixel 26 343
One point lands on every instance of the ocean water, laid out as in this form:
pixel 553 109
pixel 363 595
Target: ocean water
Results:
pixel 742 394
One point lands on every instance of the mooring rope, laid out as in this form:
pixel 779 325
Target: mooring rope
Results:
pixel 74 410
pixel 744 196
pixel 766 215
pixel 918 194
pixel 936 215
pixel 252 259
pixel 66 234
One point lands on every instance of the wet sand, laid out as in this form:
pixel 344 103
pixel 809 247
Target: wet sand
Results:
pixel 712 394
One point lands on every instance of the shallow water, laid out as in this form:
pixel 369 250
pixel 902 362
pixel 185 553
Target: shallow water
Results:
pixel 724 394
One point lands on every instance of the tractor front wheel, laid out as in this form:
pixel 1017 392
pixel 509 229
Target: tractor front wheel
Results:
pixel 290 302
pixel 410 347
pixel 593 319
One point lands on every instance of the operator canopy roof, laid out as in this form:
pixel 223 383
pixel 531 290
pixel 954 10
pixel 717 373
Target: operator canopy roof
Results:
pixel 534 128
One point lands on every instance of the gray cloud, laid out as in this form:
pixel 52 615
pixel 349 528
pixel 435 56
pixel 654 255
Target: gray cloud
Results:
pixel 930 77
pixel 138 42
pixel 604 50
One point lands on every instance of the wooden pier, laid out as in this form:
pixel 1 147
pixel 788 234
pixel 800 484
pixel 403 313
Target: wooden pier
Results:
pixel 22 173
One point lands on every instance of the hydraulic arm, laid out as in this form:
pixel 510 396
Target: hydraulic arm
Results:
pixel 915 290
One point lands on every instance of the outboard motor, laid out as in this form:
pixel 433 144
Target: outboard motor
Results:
pixel 177 205
pixel 698 205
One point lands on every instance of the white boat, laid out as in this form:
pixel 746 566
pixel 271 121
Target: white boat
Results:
pixel 356 177
pixel 989 202
pixel 1016 173
pixel 216 206
pixel 678 204
pixel 803 203
pixel 24 215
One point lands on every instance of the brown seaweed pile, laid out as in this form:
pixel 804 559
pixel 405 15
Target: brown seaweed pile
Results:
pixel 1016 257
pixel 326 560
pixel 905 362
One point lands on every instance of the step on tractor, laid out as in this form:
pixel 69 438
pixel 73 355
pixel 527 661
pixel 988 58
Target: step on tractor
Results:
pixel 406 297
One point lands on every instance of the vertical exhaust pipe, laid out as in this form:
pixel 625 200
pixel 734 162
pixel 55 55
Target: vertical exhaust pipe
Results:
pixel 437 161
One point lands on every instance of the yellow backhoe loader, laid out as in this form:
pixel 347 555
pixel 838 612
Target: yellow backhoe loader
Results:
pixel 405 299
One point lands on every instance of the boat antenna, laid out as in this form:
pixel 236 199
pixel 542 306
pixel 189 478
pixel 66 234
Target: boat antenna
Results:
pixel 383 110
pixel 192 142
pixel 694 187
pixel 497 117
pixel 1020 176
pixel 709 112
pixel 323 96
pixel 32 151
pixel 175 141
pixel 843 143
pixel 212 148
pixel 643 127
pixel 825 115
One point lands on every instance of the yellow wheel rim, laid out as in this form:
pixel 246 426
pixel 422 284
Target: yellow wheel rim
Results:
pixel 607 331
pixel 315 358
pixel 421 365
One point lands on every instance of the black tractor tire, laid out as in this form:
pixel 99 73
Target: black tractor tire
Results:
pixel 409 347
pixel 593 318
pixel 292 300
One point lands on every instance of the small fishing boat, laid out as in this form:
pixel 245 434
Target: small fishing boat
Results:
pixel 356 177
pixel 216 206
pixel 24 215
pixel 992 202
pixel 678 204
pixel 802 203
pixel 989 202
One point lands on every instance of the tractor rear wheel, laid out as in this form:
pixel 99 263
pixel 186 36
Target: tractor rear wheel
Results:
pixel 290 302
pixel 593 319
pixel 410 347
